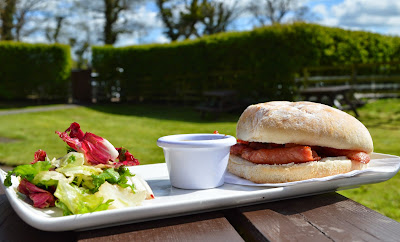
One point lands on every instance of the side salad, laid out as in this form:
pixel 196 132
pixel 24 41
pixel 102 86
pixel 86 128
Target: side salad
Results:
pixel 92 176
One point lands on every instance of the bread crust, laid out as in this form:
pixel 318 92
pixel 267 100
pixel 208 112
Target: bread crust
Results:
pixel 304 123
pixel 263 173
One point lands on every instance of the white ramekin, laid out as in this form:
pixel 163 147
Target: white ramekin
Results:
pixel 196 161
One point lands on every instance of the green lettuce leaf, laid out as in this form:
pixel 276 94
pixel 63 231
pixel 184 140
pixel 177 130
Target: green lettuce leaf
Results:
pixel 73 158
pixel 64 208
pixel 113 176
pixel 73 200
pixel 48 178
pixel 81 175
pixel 121 197
pixel 27 171
pixel 73 170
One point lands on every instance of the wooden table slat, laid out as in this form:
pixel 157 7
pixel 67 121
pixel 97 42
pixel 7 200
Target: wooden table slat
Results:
pixel 324 217
pixel 269 223
pixel 348 220
pixel 12 228
pixel 200 227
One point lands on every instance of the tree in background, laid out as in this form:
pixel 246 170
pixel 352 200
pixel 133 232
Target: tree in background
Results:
pixel 24 8
pixel 79 23
pixel 81 47
pixel 113 14
pixel 53 34
pixel 274 11
pixel 2 7
pixel 217 16
pixel 184 23
pixel 7 18
pixel 112 10
pixel 15 14
pixel 195 18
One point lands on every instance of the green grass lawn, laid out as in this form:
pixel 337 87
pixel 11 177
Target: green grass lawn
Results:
pixel 382 118
pixel 134 127
pixel 137 128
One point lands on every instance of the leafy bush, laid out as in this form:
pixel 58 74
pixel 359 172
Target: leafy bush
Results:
pixel 34 69
pixel 260 64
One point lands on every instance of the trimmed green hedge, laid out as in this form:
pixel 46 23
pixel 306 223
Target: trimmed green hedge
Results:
pixel 260 64
pixel 38 70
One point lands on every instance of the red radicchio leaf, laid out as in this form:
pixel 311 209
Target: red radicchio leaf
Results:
pixel 96 149
pixel 40 155
pixel 75 131
pixel 41 198
pixel 74 143
pixel 126 158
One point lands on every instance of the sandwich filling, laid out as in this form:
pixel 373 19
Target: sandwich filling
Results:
pixel 275 154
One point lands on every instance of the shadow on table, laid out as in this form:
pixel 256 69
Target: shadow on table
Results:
pixel 163 229
pixel 159 111
pixel 302 204
pixel 17 230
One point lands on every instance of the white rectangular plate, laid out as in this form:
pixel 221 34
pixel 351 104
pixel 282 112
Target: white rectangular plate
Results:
pixel 171 202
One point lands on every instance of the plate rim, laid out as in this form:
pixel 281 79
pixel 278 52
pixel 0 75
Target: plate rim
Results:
pixel 251 195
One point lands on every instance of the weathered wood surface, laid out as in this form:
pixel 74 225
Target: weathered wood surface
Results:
pixel 326 217
pixel 200 227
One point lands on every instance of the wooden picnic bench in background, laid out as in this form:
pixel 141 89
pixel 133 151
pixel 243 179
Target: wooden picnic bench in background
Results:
pixel 333 93
pixel 348 86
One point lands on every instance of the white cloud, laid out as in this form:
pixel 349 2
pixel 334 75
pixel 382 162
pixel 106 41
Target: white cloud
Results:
pixel 146 16
pixel 382 16
pixel 393 31
pixel 320 9
pixel 326 18
pixel 370 15
pixel 126 40
pixel 161 39
pixel 151 31
pixel 35 38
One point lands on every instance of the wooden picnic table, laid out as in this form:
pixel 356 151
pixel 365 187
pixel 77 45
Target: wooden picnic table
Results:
pixel 324 217
pixel 218 101
pixel 332 93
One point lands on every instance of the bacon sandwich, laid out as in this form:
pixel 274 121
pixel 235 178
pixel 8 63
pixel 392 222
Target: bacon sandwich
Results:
pixel 284 141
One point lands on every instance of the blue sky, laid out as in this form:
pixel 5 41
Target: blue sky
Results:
pixel 380 16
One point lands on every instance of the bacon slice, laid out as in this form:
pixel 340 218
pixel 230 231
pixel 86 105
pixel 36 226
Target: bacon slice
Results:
pixel 268 153
pixel 238 149
pixel 297 154
pixel 258 145
pixel 359 156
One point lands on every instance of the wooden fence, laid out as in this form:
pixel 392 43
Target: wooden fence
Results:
pixel 371 80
